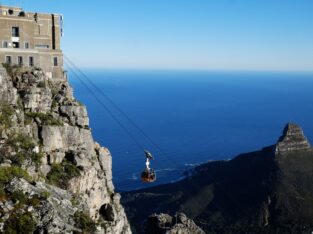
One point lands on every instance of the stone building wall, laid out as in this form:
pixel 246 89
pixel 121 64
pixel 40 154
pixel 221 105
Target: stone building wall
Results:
pixel 37 41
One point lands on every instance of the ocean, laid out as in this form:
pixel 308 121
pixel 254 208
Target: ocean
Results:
pixel 185 118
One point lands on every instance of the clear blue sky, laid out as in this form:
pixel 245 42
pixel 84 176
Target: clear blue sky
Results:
pixel 185 34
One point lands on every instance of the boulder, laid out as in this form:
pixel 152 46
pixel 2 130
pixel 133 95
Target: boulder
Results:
pixel 166 224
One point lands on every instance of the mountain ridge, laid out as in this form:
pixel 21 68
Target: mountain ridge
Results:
pixel 265 191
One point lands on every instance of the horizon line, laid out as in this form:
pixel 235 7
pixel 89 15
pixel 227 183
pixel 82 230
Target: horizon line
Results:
pixel 195 70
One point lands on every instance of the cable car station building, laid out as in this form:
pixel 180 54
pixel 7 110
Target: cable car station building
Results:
pixel 31 40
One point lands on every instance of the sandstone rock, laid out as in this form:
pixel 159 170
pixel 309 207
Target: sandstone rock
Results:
pixel 292 139
pixel 77 115
pixel 66 138
pixel 71 141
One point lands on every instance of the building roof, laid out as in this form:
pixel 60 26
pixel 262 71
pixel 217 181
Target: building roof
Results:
pixel 3 7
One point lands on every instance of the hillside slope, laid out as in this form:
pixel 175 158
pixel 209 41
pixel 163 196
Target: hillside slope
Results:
pixel 266 191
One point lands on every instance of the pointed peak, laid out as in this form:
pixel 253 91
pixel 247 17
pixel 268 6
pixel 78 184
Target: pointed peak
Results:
pixel 293 139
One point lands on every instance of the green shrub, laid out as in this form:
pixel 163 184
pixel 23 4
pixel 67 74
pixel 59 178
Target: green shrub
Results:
pixel 23 199
pixel 54 103
pixel 20 141
pixel 2 192
pixel 34 201
pixel 46 119
pixel 19 196
pixel 20 223
pixel 45 195
pixel 17 159
pixel 36 158
pixel 75 200
pixel 6 112
pixel 84 222
pixel 60 174
pixel 8 173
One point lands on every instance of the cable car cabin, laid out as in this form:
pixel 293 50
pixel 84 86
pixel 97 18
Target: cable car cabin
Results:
pixel 148 176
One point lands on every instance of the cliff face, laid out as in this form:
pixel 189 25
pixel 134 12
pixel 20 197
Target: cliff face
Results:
pixel 53 175
pixel 266 191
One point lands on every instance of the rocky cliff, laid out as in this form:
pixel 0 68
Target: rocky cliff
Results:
pixel 53 177
pixel 292 139
pixel 266 191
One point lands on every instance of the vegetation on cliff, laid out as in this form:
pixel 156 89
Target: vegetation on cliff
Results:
pixel 61 173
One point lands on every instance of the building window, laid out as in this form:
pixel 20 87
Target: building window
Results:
pixel 26 45
pixel 4 44
pixel 55 61
pixel 8 59
pixel 22 14
pixel 15 32
pixel 16 45
pixel 42 46
pixel 31 61
pixel 20 60
pixel 11 12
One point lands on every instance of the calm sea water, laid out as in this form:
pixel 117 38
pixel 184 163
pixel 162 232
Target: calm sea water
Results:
pixel 193 117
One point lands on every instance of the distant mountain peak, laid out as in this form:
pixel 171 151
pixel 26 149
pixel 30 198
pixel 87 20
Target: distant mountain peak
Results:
pixel 293 139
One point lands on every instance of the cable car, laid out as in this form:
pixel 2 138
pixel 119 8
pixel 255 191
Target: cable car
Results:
pixel 148 175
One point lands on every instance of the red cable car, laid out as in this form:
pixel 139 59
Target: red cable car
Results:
pixel 148 175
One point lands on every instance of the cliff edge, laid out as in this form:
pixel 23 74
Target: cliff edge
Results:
pixel 53 177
